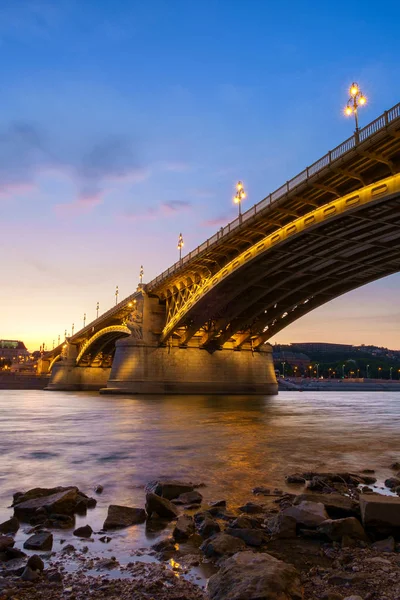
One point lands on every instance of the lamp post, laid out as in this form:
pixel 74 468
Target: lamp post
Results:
pixel 310 369
pixel 84 319
pixel 317 365
pixel 180 246
pixel 356 99
pixel 283 369
pixel 391 370
pixel 343 366
pixel 65 334
pixel 240 195
pixel 379 371
pixel 58 340
pixel 116 295
pixel 97 310
pixel 367 371
pixel 141 273
pixel 73 327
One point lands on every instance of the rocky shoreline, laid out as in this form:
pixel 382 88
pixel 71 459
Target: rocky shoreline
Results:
pixel 334 539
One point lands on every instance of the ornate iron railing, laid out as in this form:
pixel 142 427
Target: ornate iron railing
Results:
pixel 364 133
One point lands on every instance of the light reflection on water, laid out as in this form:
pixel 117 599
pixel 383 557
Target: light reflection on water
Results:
pixel 229 443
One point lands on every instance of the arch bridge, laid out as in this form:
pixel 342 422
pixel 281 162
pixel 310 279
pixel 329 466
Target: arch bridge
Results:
pixel 332 228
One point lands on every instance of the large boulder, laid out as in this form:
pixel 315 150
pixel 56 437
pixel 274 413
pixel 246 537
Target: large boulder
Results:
pixel 249 576
pixel 10 526
pixel 251 537
pixel 208 527
pixel 381 513
pixel 222 545
pixel 161 506
pixel 123 516
pixel 307 514
pixel 83 532
pixel 168 488
pixel 62 502
pixel 336 505
pixel 184 528
pixel 336 529
pixel 39 541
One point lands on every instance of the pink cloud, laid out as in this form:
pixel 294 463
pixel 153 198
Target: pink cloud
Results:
pixel 84 204
pixel 221 220
pixel 9 190
pixel 164 209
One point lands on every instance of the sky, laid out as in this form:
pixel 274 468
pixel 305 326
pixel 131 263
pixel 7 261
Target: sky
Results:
pixel 123 124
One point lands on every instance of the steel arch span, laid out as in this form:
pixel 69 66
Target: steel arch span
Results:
pixel 333 249
pixel 102 341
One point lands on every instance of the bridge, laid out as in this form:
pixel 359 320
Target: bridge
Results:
pixel 203 325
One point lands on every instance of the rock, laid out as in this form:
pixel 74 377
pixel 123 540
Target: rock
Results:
pixel 388 545
pixel 309 514
pixel 12 553
pixel 249 576
pixel 105 539
pixel 83 532
pixel 10 526
pixel 395 466
pixel 123 516
pixel 165 544
pixel 295 478
pixel 392 482
pixel 349 526
pixel 189 498
pixel 208 527
pixel 169 489
pixel 245 522
pixel 63 502
pixel 29 575
pixel 222 544
pixel 184 528
pixel 380 512
pixel 160 505
pixel 55 577
pixel 59 522
pixel 251 508
pixel 6 542
pixel 39 541
pixel 68 549
pixel 98 489
pixel 336 505
pixel 218 504
pixel 282 526
pixel 251 537
pixel 353 598
pixel 35 563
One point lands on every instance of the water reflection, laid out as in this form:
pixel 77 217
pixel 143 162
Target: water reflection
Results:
pixel 229 443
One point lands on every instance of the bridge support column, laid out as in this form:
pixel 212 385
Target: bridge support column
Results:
pixel 66 376
pixel 145 369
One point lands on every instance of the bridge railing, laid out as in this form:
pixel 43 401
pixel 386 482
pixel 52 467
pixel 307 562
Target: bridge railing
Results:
pixel 346 146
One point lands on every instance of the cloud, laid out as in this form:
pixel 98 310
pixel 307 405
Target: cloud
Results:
pixel 28 150
pixel 152 212
pixel 174 166
pixel 216 221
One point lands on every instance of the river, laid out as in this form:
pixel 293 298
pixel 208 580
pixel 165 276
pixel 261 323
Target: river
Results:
pixel 230 444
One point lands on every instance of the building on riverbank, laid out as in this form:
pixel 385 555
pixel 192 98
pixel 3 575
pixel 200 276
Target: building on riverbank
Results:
pixel 14 351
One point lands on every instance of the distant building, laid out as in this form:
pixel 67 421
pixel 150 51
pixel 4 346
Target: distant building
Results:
pixel 311 347
pixel 295 359
pixel 13 350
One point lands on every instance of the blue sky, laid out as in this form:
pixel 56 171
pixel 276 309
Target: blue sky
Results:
pixel 125 123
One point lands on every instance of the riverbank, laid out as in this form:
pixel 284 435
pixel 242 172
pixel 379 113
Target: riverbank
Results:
pixel 338 385
pixel 333 537
pixel 20 381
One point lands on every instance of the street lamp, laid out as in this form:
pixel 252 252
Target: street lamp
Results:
pixel 379 371
pixel 283 369
pixel 367 371
pixel 317 365
pixel 343 366
pixel 58 340
pixel 84 319
pixel 356 99
pixel 310 369
pixel 116 295
pixel 180 245
pixel 141 273
pixel 391 369
pixel 97 310
pixel 73 327
pixel 240 195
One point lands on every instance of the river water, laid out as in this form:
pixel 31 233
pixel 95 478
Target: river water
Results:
pixel 230 444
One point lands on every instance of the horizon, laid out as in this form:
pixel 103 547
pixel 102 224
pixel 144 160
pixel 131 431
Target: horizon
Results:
pixel 115 137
